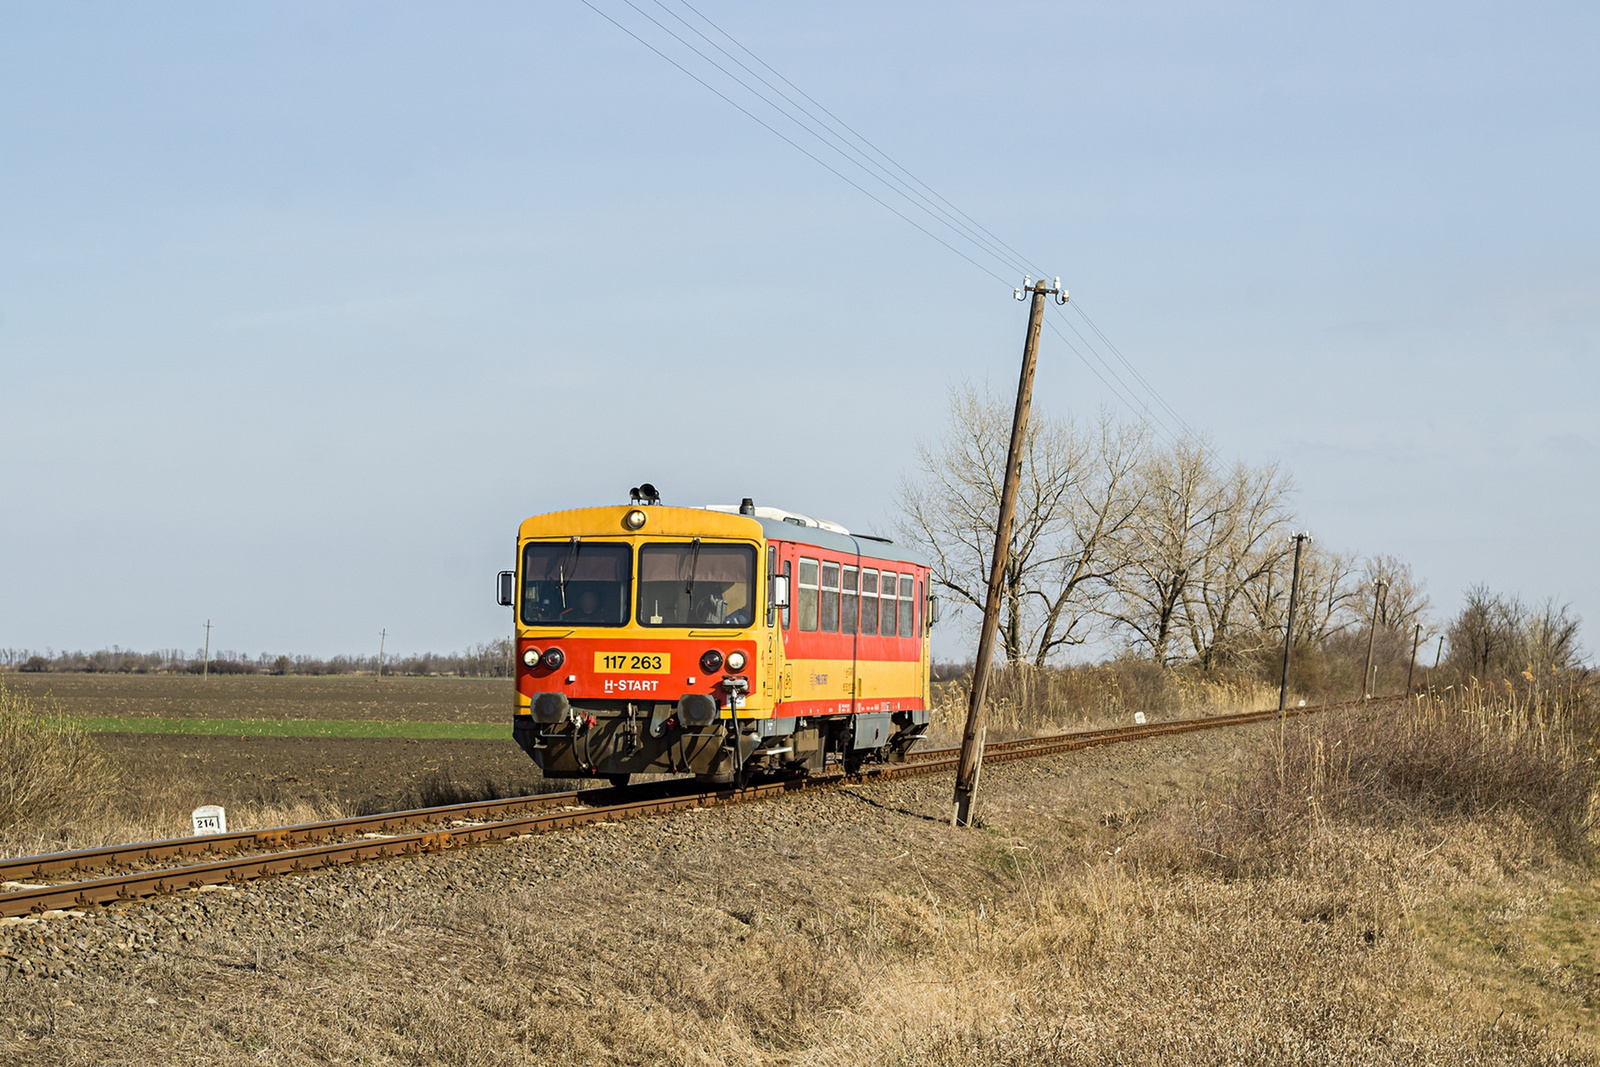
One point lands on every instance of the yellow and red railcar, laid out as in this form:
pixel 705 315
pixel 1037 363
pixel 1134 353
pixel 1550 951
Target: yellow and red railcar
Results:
pixel 714 641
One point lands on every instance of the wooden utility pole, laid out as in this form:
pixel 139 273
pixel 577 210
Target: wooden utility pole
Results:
pixel 1372 636
pixel 971 738
pixel 205 664
pixel 1416 639
pixel 1288 627
pixel 1427 680
pixel 383 635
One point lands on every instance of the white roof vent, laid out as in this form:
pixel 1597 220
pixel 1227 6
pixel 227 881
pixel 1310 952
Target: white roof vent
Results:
pixel 792 517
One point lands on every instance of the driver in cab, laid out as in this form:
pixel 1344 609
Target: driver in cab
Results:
pixel 586 610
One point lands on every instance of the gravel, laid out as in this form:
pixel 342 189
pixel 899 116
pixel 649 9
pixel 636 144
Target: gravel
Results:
pixel 601 905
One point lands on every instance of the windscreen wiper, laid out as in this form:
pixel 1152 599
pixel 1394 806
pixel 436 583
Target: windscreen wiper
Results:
pixel 694 561
pixel 561 574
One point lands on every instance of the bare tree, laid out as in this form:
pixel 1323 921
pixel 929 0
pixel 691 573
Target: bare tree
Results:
pixel 1197 564
pixel 1175 530
pixel 1550 639
pixel 1250 542
pixel 1329 595
pixel 1104 503
pixel 1499 636
pixel 953 508
pixel 1405 601
pixel 1077 493
pixel 1177 556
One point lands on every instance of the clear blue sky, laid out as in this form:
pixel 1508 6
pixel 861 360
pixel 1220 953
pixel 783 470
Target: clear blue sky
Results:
pixel 304 306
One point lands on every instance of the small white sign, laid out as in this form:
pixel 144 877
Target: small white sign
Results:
pixel 1138 717
pixel 210 819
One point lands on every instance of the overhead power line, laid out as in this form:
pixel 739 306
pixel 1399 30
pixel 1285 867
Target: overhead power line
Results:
pixel 970 224
pixel 789 141
pixel 888 183
pixel 1078 307
pixel 1117 387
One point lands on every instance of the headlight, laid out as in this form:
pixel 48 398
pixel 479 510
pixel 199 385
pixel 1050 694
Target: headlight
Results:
pixel 553 658
pixel 736 660
pixel 634 519
pixel 530 658
pixel 711 661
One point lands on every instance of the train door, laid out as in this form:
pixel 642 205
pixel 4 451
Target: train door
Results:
pixel 850 621
pixel 783 563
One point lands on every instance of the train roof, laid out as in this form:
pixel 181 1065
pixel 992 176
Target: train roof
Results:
pixel 854 544
pixel 774 525
pixel 781 525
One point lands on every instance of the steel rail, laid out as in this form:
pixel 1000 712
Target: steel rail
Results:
pixel 79 860
pixel 232 871
pixel 134 885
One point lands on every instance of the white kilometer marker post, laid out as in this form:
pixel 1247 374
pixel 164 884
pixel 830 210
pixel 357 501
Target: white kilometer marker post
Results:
pixel 210 819
pixel 1138 718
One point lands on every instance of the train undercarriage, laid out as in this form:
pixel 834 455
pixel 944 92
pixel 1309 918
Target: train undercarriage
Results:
pixel 615 739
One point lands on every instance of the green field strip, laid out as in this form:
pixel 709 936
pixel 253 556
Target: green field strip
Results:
pixel 136 724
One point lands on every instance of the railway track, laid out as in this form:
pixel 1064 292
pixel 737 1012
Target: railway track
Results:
pixel 145 869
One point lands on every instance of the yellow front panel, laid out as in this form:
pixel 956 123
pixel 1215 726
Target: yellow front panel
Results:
pixel 620 661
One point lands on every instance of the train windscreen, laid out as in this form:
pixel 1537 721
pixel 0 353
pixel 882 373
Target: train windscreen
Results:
pixel 576 583
pixel 697 584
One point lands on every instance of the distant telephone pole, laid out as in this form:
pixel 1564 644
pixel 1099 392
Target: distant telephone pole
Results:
pixel 1372 636
pixel 1288 627
pixel 972 736
pixel 383 635
pixel 205 664
pixel 1416 639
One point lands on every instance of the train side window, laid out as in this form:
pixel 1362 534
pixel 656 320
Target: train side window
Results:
pixel 806 599
pixel 788 569
pixel 828 600
pixel 886 602
pixel 848 600
pixel 869 601
pixel 908 618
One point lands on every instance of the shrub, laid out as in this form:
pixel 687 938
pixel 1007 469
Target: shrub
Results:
pixel 1469 754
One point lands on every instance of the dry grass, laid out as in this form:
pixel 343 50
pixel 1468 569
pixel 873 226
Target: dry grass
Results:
pixel 58 790
pixel 1025 700
pixel 149 811
pixel 1273 918
pixel 1519 766
pixel 50 773
pixel 1108 912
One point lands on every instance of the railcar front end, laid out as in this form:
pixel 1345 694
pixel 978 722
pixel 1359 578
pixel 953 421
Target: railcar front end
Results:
pixel 664 640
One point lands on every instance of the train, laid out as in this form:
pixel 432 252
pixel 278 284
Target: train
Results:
pixel 729 642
